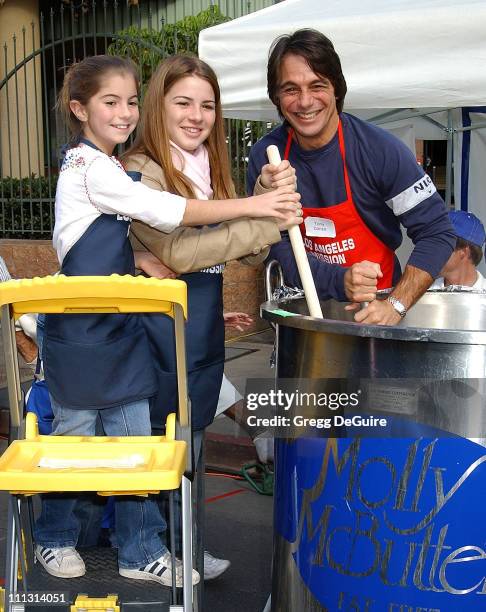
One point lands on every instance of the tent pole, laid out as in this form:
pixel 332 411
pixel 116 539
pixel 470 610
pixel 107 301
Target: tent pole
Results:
pixel 470 128
pixel 434 122
pixel 411 114
pixel 449 160
pixel 387 115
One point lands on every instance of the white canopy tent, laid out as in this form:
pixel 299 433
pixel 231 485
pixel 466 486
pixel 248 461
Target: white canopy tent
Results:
pixel 416 67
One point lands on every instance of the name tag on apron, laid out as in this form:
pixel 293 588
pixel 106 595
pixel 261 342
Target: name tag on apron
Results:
pixel 320 227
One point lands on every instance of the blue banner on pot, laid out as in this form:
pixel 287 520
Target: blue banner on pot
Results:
pixel 382 525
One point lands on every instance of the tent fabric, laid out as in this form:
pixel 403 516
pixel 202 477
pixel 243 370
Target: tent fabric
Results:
pixel 394 53
pixel 470 162
pixel 470 149
pixel 401 59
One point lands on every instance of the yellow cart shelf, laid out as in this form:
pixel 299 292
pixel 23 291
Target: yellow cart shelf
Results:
pixel 107 465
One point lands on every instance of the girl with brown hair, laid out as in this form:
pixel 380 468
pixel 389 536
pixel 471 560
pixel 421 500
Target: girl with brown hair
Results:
pixel 181 147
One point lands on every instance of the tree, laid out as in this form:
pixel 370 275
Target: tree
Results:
pixel 147 47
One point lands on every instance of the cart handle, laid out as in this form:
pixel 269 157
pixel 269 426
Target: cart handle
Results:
pixel 95 294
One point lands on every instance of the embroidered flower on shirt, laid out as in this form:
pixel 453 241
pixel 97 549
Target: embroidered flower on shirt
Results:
pixel 73 160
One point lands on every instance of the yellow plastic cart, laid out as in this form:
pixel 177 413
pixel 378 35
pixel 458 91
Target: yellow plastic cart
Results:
pixel 34 463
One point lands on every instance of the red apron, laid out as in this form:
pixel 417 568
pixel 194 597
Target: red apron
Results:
pixel 337 234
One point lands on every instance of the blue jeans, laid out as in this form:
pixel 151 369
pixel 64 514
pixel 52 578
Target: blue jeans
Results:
pixel 138 521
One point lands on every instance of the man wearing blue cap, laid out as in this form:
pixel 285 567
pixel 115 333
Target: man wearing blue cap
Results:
pixel 460 268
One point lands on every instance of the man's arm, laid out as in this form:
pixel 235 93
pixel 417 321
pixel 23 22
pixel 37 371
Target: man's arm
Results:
pixel 429 228
pixel 413 284
pixel 413 199
pixel 434 240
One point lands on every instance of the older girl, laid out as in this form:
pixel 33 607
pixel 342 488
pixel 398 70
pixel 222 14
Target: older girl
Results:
pixel 181 147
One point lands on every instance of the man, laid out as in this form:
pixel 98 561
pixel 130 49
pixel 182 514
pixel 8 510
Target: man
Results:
pixel 358 184
pixel 460 268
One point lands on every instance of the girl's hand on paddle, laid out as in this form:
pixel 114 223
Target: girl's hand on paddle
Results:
pixel 275 203
pixel 291 218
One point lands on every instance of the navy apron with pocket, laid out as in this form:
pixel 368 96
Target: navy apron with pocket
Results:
pixel 204 350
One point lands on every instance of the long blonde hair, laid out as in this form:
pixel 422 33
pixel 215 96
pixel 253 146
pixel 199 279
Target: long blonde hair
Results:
pixel 153 138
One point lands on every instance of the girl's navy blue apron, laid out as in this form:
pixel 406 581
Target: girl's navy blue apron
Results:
pixel 98 361
pixel 204 348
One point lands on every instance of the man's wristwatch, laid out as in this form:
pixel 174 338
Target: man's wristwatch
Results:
pixel 397 305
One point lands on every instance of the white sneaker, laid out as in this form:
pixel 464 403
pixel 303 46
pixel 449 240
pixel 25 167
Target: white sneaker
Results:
pixel 60 562
pixel 214 567
pixel 159 571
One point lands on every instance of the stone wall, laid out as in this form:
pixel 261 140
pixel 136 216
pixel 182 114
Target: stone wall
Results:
pixel 29 258
pixel 243 291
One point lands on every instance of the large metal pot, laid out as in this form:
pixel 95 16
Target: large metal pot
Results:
pixel 386 524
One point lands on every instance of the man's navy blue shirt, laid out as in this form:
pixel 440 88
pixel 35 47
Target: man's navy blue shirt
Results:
pixel 389 189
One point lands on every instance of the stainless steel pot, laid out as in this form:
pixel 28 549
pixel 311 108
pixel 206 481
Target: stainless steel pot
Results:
pixel 430 369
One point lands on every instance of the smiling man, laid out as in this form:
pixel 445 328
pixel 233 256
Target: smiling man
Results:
pixel 358 185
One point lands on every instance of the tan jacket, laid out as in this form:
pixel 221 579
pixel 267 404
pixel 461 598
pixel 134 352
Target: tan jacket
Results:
pixel 259 189
pixel 188 249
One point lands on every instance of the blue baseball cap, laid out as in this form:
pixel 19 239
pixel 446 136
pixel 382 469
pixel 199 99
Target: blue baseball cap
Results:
pixel 468 227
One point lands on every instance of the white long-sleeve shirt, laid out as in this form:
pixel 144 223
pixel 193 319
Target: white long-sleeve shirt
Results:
pixel 92 183
pixel 479 285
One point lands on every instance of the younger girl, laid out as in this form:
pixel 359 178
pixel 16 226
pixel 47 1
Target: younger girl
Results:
pixel 100 365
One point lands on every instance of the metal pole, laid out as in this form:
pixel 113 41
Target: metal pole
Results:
pixel 470 128
pixel 449 160
pixel 184 415
pixel 199 523
pixel 385 117
pixel 187 544
pixel 19 539
pixel 12 555
pixel 12 371
pixel 172 545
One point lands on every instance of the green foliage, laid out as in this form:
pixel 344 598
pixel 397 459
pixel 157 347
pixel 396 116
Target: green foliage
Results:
pixel 27 187
pixel 26 207
pixel 240 136
pixel 148 47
